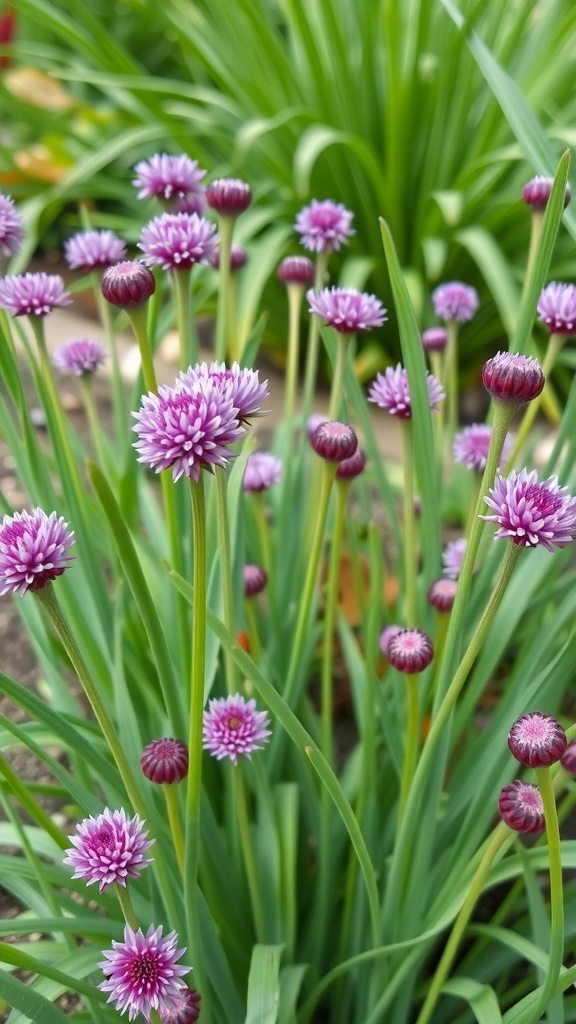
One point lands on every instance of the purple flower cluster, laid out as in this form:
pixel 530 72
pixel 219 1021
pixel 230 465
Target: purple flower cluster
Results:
pixel 513 378
pixel 536 192
pixel 81 356
pixel 170 177
pixel 33 294
pixel 229 196
pixel 297 270
pixel 142 973
pixel 109 849
pixel 262 471
pixel 346 309
pixel 243 384
pixel 177 241
pixel 453 557
pixel 455 301
pixel 557 308
pixel 33 550
pixel 324 225
pixel 165 761
pixel 391 391
pixel 90 249
pixel 11 227
pixel 537 740
pixel 233 727
pixel 520 807
pixel 530 513
pixel 472 444
pixel 128 284
pixel 409 651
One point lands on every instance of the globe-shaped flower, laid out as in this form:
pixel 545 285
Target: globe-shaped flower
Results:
pixel 142 973
pixel 89 249
pixel 262 471
pixel 11 227
pixel 442 593
pixel 128 284
pixel 297 270
pixel 557 308
pixel 169 177
pixel 177 241
pixel 455 301
pixel 165 761
pixel 471 446
pixel 536 192
pixel 537 740
pixel 530 513
pixel 33 550
pixel 434 339
pixel 255 579
pixel 229 196
pixel 238 257
pixel 346 309
pixel 185 1009
pixel 109 849
pixel 334 441
pixel 81 356
pixel 243 386
pixel 33 294
pixel 390 390
pixel 187 429
pixel 324 225
pixel 410 651
pixel 512 378
pixel 453 557
pixel 233 728
pixel 520 807
pixel 352 467
pixel 387 635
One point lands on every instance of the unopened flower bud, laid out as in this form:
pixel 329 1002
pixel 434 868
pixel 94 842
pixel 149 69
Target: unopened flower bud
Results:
pixel 127 284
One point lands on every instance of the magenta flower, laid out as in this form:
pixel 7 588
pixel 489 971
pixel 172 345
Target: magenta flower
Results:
pixel 391 391
pixel 557 308
pixel 233 727
pixel 128 284
pixel 255 579
pixel 109 849
pixel 511 377
pixel 530 513
pixel 324 225
pixel 537 740
pixel 11 227
pixel 170 177
pixel 352 467
pixel 89 249
pixel 142 973
pixel 33 294
pixel 410 651
pixel 238 258
pixel 262 471
pixel 229 196
pixel 434 339
pixel 453 557
pixel 83 355
pixel 187 429
pixel 297 270
pixel 165 761
pixel 177 241
pixel 471 446
pixel 334 441
pixel 241 385
pixel 536 192
pixel 442 593
pixel 346 309
pixel 520 807
pixel 33 550
pixel 185 1009
pixel 387 635
pixel 455 301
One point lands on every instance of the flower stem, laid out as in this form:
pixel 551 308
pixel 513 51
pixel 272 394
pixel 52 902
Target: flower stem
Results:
pixel 295 293
pixel 544 780
pixel 138 316
pixel 185 321
pixel 226 574
pixel 412 738
pixel 330 611
pixel 224 344
pixel 241 806
pixel 313 342
pixel 126 906
pixel 173 808
pixel 410 565
pixel 451 381
pixel 337 390
pixel 94 421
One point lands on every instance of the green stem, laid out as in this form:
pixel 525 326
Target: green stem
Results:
pixel 226 574
pixel 224 344
pixel 331 607
pixel 138 316
pixel 451 381
pixel 172 806
pixel 126 906
pixel 412 739
pixel 255 645
pixel 189 353
pixel 410 564
pixel 295 294
pixel 337 391
pixel 544 780
pixel 313 343
pixel 121 417
pixel 94 421
pixel 537 223
pixel 554 347
pixel 241 807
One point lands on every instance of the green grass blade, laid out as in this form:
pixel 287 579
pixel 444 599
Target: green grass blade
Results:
pixel 263 985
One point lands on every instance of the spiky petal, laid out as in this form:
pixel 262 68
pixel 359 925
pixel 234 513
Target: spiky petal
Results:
pixel 530 513
pixel 557 308
pixel 346 309
pixel 262 471
pixel 33 294
pixel 89 249
pixel 81 356
pixel 169 177
pixel 390 390
pixel 109 849
pixel 472 444
pixel 142 973
pixel 177 241
pixel 33 550
pixel 242 385
pixel 455 301
pixel 324 225
pixel 11 227
pixel 233 728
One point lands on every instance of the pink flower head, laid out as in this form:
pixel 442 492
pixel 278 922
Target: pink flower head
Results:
pixel 391 391
pixel 185 1009
pixel 386 637
pixel 187 429
pixel 233 727
pixel 33 550
pixel 347 310
pixel 241 385
pixel 11 227
pixel 410 651
pixel 81 356
pixel 255 579
pixel 128 284
pixel 537 740
pixel 33 294
pixel 169 177
pixel 536 192
pixel 352 467
pixel 89 249
pixel 142 973
pixel 324 225
pixel 442 593
pixel 334 441
pixel 455 301
pixel 511 377
pixel 453 557
pixel 109 849
pixel 229 196
pixel 557 308
pixel 530 513
pixel 165 761
pixel 471 446
pixel 262 471
pixel 434 339
pixel 238 257
pixel 177 241
pixel 520 807
pixel 296 270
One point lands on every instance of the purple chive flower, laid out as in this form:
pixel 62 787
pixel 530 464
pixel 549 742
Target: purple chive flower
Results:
pixel 536 192
pixel 441 594
pixel 346 309
pixel 255 579
pixel 11 227
pixel 177 241
pixel 229 196
pixel 434 339
pixel 511 377
pixel 185 1009
pixel 313 423
pixel 169 177
pixel 472 443
pixel 410 651
pixel 453 557
pixel 262 471
pixel 187 429
pixel 324 225
pixel 557 308
pixel 352 467
pixel 83 355
pixel 165 761
pixel 33 550
pixel 537 740
pixel 455 301
pixel 241 385
pixel 391 391
pixel 89 249
pixel 238 258
pixel 296 270
pixel 334 441
pixel 109 849
pixel 530 513
pixel 128 284
pixel 568 758
pixel 520 807
pixel 386 637
pixel 142 973
pixel 33 294
pixel 233 727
